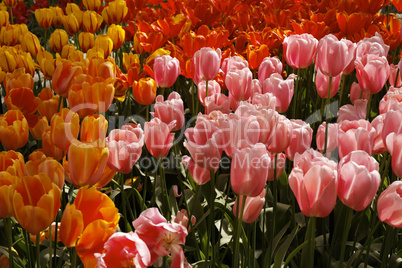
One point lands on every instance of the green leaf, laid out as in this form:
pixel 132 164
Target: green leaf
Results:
pixel 280 255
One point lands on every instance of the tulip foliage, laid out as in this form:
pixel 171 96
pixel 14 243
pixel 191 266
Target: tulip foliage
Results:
pixel 215 133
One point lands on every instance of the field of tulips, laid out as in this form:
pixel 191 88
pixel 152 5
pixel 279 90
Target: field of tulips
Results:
pixel 216 133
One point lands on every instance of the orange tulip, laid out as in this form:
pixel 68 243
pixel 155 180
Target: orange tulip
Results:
pixel 115 12
pixel 144 91
pixel 35 158
pixel 39 125
pixel 150 42
pixel 93 5
pixel 18 79
pixel 93 128
pixel 104 68
pixel 49 148
pixel 46 64
pixel 256 54
pixel 44 16
pixel 62 76
pixel 71 24
pixel 54 170
pixel 4 18
pixel 173 26
pixel 91 21
pixel 87 41
pixel 64 127
pixel 6 189
pixel 14 130
pixel 95 53
pixel 48 103
pixel 105 42
pixel 36 200
pixel 22 98
pixel 58 14
pixel 4 261
pixel 58 39
pixel 86 162
pixel 352 23
pixel 117 34
pixel 89 222
pixel 24 60
pixel 13 163
pixel 99 95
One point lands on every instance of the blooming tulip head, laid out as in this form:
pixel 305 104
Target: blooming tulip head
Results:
pixel 299 50
pixel 252 207
pixel 117 34
pixel 281 89
pixel 44 16
pixel 269 65
pixel 58 39
pixel 372 72
pixel 206 63
pixel 170 110
pixel 144 91
pixel 166 70
pixel 322 84
pixel 158 138
pixel 14 130
pixel 389 205
pixel 64 127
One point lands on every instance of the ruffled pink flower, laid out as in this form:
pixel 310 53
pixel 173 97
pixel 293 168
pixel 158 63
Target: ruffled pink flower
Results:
pixel 217 102
pixel 281 89
pixel 372 45
pixel 170 110
pixel 232 64
pixel 353 112
pixel 392 100
pixel 269 65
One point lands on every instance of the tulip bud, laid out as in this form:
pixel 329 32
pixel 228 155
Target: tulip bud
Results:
pixel 44 16
pixel 91 21
pixel 87 41
pixel 58 39
pixel 117 34
pixel 144 91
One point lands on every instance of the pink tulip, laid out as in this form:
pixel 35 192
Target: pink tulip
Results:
pixel 392 124
pixel 350 68
pixel 299 50
pixel 232 64
pixel 353 112
pixel 217 102
pixel 269 65
pixel 199 174
pixel 315 188
pixel 355 135
pixel 124 250
pixel 372 45
pixel 358 180
pixel 280 166
pixel 239 83
pixel 249 170
pixel 266 101
pixel 206 63
pixel 125 147
pixel 394 146
pixel 170 110
pixel 166 70
pixel 158 138
pixel 393 70
pixel 202 143
pixel 182 218
pixel 322 84
pixel 378 125
pixel 252 207
pixel 281 134
pixel 356 93
pixel 372 72
pixel 392 100
pixel 312 157
pixel 300 140
pixel 162 238
pixel 281 89
pixel 332 137
pixel 213 88
pixel 389 205
pixel 333 56
pixel 256 87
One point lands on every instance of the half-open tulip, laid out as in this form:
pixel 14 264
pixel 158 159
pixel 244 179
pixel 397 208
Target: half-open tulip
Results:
pixel 144 90
pixel 170 110
pixel 372 72
pixel 158 138
pixel 269 66
pixel 63 75
pixel 282 89
pixel 44 16
pixel 13 162
pixel 93 128
pixel 355 135
pixel 389 205
pixel 14 130
pixel 64 127
pixel 299 50
pixel 115 12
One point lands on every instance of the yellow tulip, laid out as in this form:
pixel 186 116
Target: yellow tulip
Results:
pixel 58 39
pixel 91 21
pixel 117 34
pixel 44 16
pixel 87 41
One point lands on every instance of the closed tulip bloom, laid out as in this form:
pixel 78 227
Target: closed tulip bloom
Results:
pixel 249 170
pixel 252 207
pixel 14 130
pixel 166 70
pixel 393 70
pixel 58 39
pixel 36 200
pixel 269 65
pixel 89 222
pixel 39 125
pixel 64 128
pixel 394 146
pixel 281 135
pixel 86 162
pixel 117 34
pixel 4 18
pixel 49 148
pixel 332 137
pixel 239 84
pixel 44 16
pixel 93 128
pixel 299 50
pixel 158 138
pixel 302 135
pixel 115 12
pixel 372 72
pixel 48 103
pixel 170 110
pixel 213 88
pixel 206 63
pixel 282 89
pixel 72 8
pixel 54 170
pixel 322 84
pixel 7 182
pixel 87 41
pixel 9 35
pixel 355 135
pixel 389 205
pixel 93 5
pixel 333 56
pixel 98 95
pixel 58 14
pixel 358 180
pixel 71 24
pixel 378 124
pixel 125 147
pixel 353 112
pixel 63 75
pixel 106 43
pixel 315 188
pixel 356 92
pixel 91 21
pixel 392 124
pixel 10 3
pixel 199 174
pixel 144 91
pixel 8 59
pixel 22 99
pixel 13 162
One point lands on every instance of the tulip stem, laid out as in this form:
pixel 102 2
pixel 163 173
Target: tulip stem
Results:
pixel 28 247
pixel 239 224
pixel 327 115
pixel 164 188
pixel 147 114
pixel 73 257
pixel 349 215
pixel 59 105
pixel 192 97
pixel 342 88
pixel 387 245
pixel 38 250
pixel 211 224
pixel 369 107
pixel 50 246
pixel 308 259
pixel 206 88
pixel 296 91
pixel 9 230
pixel 11 15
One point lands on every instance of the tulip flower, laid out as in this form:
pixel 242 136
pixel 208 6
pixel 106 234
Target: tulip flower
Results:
pixel 252 207
pixel 372 45
pixel 12 162
pixel 39 125
pixel 7 182
pixel 322 84
pixel 281 134
pixel 170 110
pixel 393 143
pixel 389 205
pixel 10 3
pixel 115 12
pixel 332 137
pixel 71 24
pixel 232 64
pixel 23 99
pixel 14 130
pixel 48 103
pixel 280 166
pixel 63 75
pixel 4 18
pixel 30 43
pixel 18 79
pixel 372 72
pixel 144 91
pixel 256 55
pixel 249 170
pixel 199 174
pixel 58 39
pixel 87 41
pixel 269 65
pixel 48 146
pixel 158 138
pixel 8 59
pixel 64 127
pixel 239 83
pixel 391 101
pixel 213 88
pixel 93 5
pixel 358 179
pixel 105 42
pixel 125 147
pixel 44 16
pixel 58 14
pixel 89 222
pixel 166 70
pixel 124 250
pixel 300 140
pixel 353 112
pixel 217 102
pixel 91 21
pixel 392 124
pixel 299 50
pixel 281 89
pixel 206 63
pixel 393 70
pixel 99 95
pixel 356 92
pixel 117 34
pixel 93 128
pixel 35 209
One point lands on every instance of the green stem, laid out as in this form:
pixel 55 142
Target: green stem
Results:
pixel 164 189
pixel 50 246
pixel 206 88
pixel 29 248
pixel 296 90
pixel 45 40
pixel 238 230
pixel 369 107
pixel 211 224
pixel 308 259
pixel 73 258
pixel 387 245
pixel 327 116
pixel 59 105
pixel 254 244
pixel 367 244
pixel 192 98
pixel 9 231
pixel 147 114
pixel 38 250
pixel 349 215
pixel 342 88
pixel 11 15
